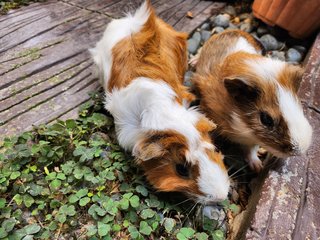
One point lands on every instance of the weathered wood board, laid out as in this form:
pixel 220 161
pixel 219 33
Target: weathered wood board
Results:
pixel 45 68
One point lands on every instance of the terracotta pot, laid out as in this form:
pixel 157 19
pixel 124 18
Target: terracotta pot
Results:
pixel 299 17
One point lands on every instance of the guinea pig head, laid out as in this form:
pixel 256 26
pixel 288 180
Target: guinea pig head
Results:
pixel 266 108
pixel 171 165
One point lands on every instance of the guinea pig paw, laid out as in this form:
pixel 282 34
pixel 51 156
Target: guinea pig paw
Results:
pixel 194 60
pixel 255 164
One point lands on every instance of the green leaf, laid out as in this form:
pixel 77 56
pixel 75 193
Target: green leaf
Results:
pixel 73 198
pixel 218 235
pixel 84 201
pixel 28 200
pixel 91 230
pixel 3 233
pixel 71 124
pixel 103 229
pixel 55 184
pixel 234 208
pixel 18 199
pixel 180 236
pixel 141 189
pixel 187 232
pixel 134 201
pixel 145 229
pixel 32 229
pixel 202 236
pixel 8 224
pixel 124 204
pixel 98 119
pixel 15 175
pixel 147 213
pixel 134 233
pixel 2 202
pixel 169 224
pixel 82 192
pixel 61 217
pixel 61 176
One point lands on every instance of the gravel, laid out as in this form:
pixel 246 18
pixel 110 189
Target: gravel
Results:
pixel 230 10
pixel 194 43
pixel 247 27
pixel 205 35
pixel 222 20
pixel 278 55
pixel 293 55
pixel 261 31
pixel 217 30
pixel 205 26
pixel 269 42
pixel 187 79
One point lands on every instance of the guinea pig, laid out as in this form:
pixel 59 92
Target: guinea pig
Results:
pixel 142 61
pixel 252 98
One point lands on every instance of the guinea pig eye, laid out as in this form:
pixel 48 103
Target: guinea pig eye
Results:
pixel 182 170
pixel 266 119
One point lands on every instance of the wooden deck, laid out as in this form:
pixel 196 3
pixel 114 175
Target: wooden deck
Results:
pixel 45 69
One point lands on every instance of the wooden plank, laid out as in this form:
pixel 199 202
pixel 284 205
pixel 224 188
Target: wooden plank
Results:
pixel 45 68
pixel 288 207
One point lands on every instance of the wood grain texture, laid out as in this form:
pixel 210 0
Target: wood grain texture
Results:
pixel 45 68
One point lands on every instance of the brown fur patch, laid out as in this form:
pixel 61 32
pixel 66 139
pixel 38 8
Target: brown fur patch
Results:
pixel 157 52
pixel 213 67
pixel 161 170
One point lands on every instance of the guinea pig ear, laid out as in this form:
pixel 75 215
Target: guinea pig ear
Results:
pixel 241 91
pixel 145 150
pixel 205 125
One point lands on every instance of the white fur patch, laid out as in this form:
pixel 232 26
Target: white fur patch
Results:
pixel 146 104
pixel 213 181
pixel 116 31
pixel 267 69
pixel 243 45
pixel 299 127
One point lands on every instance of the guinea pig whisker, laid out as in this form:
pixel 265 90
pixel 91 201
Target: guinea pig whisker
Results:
pixel 160 166
pixel 186 200
pixel 193 208
pixel 244 174
pixel 238 170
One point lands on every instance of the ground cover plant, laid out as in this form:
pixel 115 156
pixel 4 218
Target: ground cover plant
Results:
pixel 71 180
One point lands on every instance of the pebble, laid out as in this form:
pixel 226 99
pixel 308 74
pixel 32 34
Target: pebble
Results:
pixel 254 34
pixel 261 31
pixel 230 10
pixel 205 35
pixel 278 55
pixel 187 79
pixel 269 42
pixel 197 36
pixel 236 20
pixel 222 20
pixel 205 26
pixel 247 27
pixel 293 55
pixel 194 43
pixel 300 48
pixel 244 16
pixel 214 213
pixel 217 30
pixel 232 26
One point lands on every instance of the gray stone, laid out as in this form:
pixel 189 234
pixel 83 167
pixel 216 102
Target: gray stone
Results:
pixel 187 79
pixel 205 35
pixel 217 30
pixel 278 55
pixel 247 27
pixel 244 16
pixel 232 26
pixel 230 10
pixel 254 34
pixel 261 31
pixel 300 48
pixel 214 213
pixel 269 42
pixel 205 26
pixel 196 36
pixel 222 20
pixel 293 55
pixel 193 45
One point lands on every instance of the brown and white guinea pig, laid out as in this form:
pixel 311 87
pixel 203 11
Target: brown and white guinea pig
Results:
pixel 253 99
pixel 142 61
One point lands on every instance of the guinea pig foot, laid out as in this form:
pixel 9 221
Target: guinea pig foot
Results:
pixel 194 60
pixel 255 164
